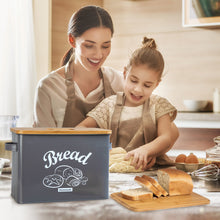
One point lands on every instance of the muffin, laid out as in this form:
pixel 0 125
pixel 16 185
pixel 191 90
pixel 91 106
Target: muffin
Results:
pixel 191 158
pixel 180 158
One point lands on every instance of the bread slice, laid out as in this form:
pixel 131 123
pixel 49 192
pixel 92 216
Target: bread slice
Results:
pixel 137 194
pixel 175 182
pixel 148 185
pixel 156 184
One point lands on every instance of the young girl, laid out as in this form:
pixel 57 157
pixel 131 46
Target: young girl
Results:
pixel 141 122
pixel 65 96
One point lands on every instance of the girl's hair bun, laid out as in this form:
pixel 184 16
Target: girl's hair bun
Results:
pixel 148 55
pixel 149 42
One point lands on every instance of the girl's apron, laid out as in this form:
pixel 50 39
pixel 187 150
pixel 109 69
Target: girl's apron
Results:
pixel 133 133
pixel 76 109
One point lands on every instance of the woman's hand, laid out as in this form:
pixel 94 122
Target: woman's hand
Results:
pixel 140 158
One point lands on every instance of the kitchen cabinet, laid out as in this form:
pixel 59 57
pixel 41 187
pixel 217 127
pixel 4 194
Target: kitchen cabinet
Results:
pixel 201 13
pixel 196 138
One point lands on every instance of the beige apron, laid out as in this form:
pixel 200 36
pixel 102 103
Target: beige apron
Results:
pixel 76 109
pixel 133 133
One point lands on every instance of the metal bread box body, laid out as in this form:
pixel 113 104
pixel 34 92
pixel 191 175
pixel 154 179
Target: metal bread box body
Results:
pixel 55 165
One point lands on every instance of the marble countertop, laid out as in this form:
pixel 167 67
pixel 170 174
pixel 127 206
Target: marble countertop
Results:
pixel 107 209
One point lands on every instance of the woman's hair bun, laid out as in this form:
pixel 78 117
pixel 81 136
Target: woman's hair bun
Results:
pixel 149 42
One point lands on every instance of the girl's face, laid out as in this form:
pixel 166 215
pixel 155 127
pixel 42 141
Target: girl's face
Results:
pixel 140 82
pixel 93 47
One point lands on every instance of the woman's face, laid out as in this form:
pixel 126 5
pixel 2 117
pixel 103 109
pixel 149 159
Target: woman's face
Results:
pixel 93 47
pixel 140 82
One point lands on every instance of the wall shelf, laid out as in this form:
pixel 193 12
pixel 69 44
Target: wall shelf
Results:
pixel 196 13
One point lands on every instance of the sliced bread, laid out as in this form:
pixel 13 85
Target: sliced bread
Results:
pixel 156 184
pixel 148 185
pixel 137 194
pixel 175 182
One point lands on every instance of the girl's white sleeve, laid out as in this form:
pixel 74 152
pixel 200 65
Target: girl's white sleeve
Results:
pixel 102 113
pixel 163 106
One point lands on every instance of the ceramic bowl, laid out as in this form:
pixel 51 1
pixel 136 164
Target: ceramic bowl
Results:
pixel 189 167
pixel 180 166
pixel 2 162
pixel 195 105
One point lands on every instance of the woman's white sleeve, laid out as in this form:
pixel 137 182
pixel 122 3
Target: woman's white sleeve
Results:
pixel 43 116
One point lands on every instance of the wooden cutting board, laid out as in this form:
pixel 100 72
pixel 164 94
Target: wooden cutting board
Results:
pixel 162 202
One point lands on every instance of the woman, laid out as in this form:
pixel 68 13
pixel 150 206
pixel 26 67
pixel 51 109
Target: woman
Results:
pixel 65 96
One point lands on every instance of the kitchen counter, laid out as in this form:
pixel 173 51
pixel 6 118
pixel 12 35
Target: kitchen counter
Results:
pixel 107 209
pixel 198 116
pixel 198 119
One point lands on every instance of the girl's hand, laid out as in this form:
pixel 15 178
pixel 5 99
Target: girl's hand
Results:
pixel 140 158
pixel 152 161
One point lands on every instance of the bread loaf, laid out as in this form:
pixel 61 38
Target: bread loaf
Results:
pixel 156 184
pixel 175 182
pixel 148 185
pixel 137 194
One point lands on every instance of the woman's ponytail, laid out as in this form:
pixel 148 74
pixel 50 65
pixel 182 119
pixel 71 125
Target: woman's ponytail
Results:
pixel 66 57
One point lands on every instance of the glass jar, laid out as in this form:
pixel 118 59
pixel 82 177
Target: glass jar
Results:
pixel 216 100
pixel 213 154
pixel 6 122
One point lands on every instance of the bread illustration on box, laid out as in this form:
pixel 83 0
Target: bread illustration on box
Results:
pixel 66 171
pixel 65 174
pixel 53 181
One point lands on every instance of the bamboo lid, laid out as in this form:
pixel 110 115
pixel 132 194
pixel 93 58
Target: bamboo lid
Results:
pixel 78 130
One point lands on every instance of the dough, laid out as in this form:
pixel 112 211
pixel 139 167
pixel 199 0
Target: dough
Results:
pixel 117 150
pixel 117 164
pixel 116 158
pixel 123 167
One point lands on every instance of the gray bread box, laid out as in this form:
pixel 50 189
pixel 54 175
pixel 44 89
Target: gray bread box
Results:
pixel 65 164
